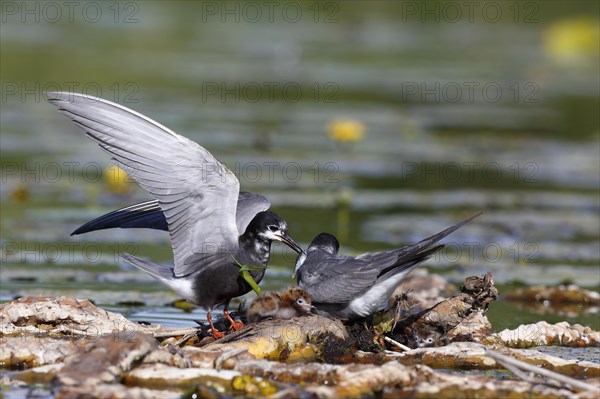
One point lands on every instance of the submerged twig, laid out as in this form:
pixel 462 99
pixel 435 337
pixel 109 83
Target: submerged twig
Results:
pixel 524 376
pixel 510 362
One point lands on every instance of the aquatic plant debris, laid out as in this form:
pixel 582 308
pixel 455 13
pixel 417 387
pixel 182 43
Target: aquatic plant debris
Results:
pixel 276 357
pixel 543 333
pixel 437 325
pixel 244 271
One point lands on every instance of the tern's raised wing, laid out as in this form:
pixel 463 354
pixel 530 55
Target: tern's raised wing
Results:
pixel 197 193
pixel 146 215
pixel 248 206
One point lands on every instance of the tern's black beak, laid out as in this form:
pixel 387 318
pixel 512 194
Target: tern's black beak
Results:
pixel 287 240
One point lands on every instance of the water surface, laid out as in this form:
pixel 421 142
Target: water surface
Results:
pixel 437 146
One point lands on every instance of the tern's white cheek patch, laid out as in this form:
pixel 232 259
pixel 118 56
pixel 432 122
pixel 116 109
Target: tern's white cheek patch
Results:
pixel 268 235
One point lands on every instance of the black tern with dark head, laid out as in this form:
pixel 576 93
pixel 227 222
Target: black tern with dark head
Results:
pixel 351 287
pixel 212 227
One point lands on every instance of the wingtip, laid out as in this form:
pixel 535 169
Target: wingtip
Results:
pixel 53 96
pixel 128 258
pixel 78 231
pixel 474 217
pixel 68 96
pixel 81 230
pixel 467 220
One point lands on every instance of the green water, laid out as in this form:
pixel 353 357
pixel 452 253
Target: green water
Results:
pixel 459 116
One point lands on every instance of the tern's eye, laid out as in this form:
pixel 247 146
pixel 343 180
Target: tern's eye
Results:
pixel 300 301
pixel 273 228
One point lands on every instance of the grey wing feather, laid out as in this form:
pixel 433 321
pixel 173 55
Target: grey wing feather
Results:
pixel 184 177
pixel 159 272
pixel 360 276
pixel 146 215
pixel 248 206
pixel 335 279
pixel 149 215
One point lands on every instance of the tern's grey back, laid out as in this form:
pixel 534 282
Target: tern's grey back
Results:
pixel 348 287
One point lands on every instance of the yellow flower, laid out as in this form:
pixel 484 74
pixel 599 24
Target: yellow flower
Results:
pixel 346 130
pixel 117 180
pixel 573 39
pixel 20 193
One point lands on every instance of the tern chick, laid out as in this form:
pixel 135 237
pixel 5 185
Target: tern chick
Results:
pixel 292 302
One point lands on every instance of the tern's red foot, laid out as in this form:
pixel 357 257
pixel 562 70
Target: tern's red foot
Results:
pixel 215 333
pixel 235 325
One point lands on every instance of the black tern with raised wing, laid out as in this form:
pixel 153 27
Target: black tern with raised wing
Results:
pixel 351 287
pixel 211 233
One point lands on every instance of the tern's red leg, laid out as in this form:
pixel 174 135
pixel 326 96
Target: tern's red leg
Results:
pixel 236 325
pixel 216 334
